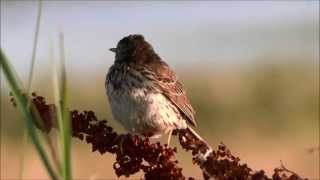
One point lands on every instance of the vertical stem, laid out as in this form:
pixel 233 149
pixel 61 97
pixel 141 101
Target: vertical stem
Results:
pixel 33 59
pixel 30 80
pixel 34 47
pixel 65 130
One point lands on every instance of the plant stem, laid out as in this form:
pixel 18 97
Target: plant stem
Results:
pixel 34 47
pixel 64 115
pixel 22 101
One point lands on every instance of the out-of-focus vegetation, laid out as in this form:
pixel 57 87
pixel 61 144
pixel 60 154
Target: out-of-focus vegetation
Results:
pixel 261 105
pixel 264 97
pixel 270 99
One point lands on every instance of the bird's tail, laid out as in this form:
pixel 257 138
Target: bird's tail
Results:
pixel 197 136
pixel 194 133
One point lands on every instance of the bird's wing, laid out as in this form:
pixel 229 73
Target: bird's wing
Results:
pixel 172 89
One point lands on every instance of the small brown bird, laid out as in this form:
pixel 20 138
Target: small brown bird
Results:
pixel 144 93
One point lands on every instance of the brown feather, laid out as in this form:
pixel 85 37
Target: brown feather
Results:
pixel 172 89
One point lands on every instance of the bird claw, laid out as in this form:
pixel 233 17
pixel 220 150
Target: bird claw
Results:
pixel 120 139
pixel 169 138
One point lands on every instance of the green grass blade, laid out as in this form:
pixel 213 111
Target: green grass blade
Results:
pixel 33 109
pixel 33 59
pixel 34 47
pixel 22 102
pixel 63 113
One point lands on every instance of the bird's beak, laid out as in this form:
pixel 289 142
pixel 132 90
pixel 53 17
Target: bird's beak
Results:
pixel 113 49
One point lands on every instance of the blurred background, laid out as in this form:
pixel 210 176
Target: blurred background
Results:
pixel 251 70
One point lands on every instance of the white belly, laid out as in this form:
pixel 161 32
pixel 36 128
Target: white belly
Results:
pixel 144 113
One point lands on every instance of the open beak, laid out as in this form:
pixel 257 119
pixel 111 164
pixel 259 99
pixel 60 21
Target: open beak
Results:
pixel 113 49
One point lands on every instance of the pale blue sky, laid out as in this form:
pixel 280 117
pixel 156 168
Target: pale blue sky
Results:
pixel 183 33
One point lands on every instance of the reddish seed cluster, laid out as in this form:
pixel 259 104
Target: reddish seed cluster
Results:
pixel 284 173
pixel 222 165
pixel 134 153
pixel 46 113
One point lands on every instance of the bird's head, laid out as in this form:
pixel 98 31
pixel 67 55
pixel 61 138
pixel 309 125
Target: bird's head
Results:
pixel 132 48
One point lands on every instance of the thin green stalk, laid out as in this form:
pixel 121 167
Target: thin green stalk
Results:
pixel 33 57
pixel 22 101
pixel 30 80
pixel 34 47
pixel 54 155
pixel 64 114
pixel 55 123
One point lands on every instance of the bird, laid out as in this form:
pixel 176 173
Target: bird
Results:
pixel 144 93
